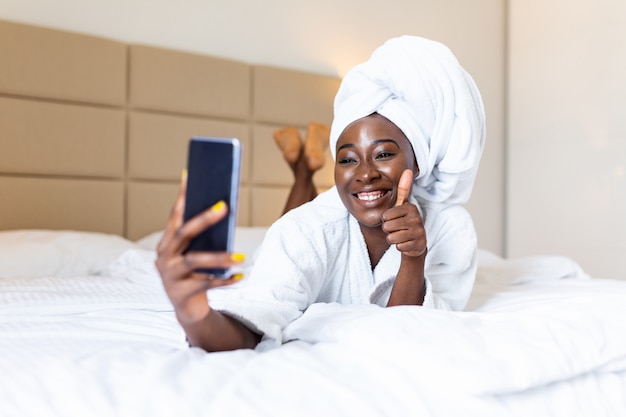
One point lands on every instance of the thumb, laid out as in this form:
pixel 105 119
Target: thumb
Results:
pixel 404 186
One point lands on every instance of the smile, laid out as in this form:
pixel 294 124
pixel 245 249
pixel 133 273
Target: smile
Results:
pixel 370 196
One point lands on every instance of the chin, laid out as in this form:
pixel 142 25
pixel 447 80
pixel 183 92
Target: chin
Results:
pixel 371 226
pixel 371 223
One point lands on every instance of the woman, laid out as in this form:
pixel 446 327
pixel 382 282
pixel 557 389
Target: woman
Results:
pixel 407 137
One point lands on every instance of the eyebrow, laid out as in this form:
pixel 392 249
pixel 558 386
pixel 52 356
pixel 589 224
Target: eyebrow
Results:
pixel 375 142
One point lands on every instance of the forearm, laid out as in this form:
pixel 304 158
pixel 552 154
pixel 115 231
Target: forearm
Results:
pixel 205 327
pixel 409 287
pixel 218 332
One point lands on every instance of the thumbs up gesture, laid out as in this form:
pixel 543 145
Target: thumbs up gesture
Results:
pixel 404 187
pixel 403 223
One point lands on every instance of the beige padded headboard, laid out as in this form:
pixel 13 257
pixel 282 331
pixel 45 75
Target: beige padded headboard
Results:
pixel 94 132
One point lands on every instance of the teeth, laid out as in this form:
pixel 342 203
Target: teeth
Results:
pixel 370 196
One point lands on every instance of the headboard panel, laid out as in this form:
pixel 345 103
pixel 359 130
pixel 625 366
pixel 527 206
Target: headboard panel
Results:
pixel 93 132
pixel 179 82
pixel 45 63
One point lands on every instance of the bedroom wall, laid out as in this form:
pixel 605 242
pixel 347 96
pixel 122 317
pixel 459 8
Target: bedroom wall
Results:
pixel 325 36
pixel 566 188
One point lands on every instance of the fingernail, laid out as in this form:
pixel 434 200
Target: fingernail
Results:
pixel 219 206
pixel 238 257
pixel 237 277
pixel 183 175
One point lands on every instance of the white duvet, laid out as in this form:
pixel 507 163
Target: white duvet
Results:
pixel 541 339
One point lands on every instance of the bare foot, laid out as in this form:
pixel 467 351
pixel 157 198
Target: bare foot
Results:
pixel 317 138
pixel 289 142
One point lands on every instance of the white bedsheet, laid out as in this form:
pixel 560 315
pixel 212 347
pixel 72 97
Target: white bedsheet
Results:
pixel 109 345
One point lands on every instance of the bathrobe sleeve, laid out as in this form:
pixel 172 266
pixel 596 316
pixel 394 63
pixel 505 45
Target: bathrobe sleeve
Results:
pixel 451 262
pixel 292 266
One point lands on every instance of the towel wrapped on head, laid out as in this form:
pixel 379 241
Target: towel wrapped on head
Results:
pixel 419 85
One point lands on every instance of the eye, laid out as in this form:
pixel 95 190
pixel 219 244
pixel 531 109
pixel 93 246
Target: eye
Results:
pixel 346 161
pixel 346 156
pixel 385 155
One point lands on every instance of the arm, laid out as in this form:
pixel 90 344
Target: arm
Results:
pixel 187 289
pixel 405 229
pixel 451 263
pixel 409 287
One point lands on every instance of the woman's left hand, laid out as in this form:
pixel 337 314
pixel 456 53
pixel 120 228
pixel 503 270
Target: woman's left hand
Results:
pixel 403 223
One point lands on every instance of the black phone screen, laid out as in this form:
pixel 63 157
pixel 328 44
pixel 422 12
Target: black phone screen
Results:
pixel 213 167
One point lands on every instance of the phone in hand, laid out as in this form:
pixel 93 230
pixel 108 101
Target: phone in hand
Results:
pixel 213 170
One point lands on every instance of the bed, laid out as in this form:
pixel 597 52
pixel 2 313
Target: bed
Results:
pixel 86 329
pixel 93 135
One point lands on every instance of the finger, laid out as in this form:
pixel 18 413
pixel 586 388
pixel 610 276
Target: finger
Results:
pixel 184 232
pixel 186 268
pixel 407 242
pixel 179 207
pixel 212 260
pixel 195 261
pixel 176 215
pixel 410 249
pixel 197 224
pixel 223 282
pixel 404 186
pixel 183 268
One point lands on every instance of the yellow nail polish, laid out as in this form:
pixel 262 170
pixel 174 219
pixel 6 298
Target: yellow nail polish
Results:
pixel 219 206
pixel 238 257
pixel 237 277
pixel 183 175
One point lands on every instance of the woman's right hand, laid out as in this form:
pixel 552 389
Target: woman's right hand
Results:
pixel 185 287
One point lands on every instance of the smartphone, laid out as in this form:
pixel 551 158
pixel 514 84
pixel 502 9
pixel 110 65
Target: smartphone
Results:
pixel 213 169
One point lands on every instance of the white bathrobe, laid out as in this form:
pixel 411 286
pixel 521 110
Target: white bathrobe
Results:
pixel 316 253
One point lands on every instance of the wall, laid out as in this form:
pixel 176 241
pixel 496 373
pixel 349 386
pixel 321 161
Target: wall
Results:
pixel 566 188
pixel 324 36
pixel 566 156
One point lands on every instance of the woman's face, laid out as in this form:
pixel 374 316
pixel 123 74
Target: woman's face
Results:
pixel 372 153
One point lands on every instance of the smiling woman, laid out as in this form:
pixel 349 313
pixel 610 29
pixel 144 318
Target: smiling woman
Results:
pixel 372 157
pixel 407 137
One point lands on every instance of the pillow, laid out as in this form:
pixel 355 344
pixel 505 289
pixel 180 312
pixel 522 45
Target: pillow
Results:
pixel 247 241
pixel 61 253
pixel 493 269
pixel 150 242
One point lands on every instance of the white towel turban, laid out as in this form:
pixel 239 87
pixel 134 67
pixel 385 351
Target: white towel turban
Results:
pixel 419 85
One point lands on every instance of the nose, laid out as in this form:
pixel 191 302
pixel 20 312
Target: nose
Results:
pixel 366 171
